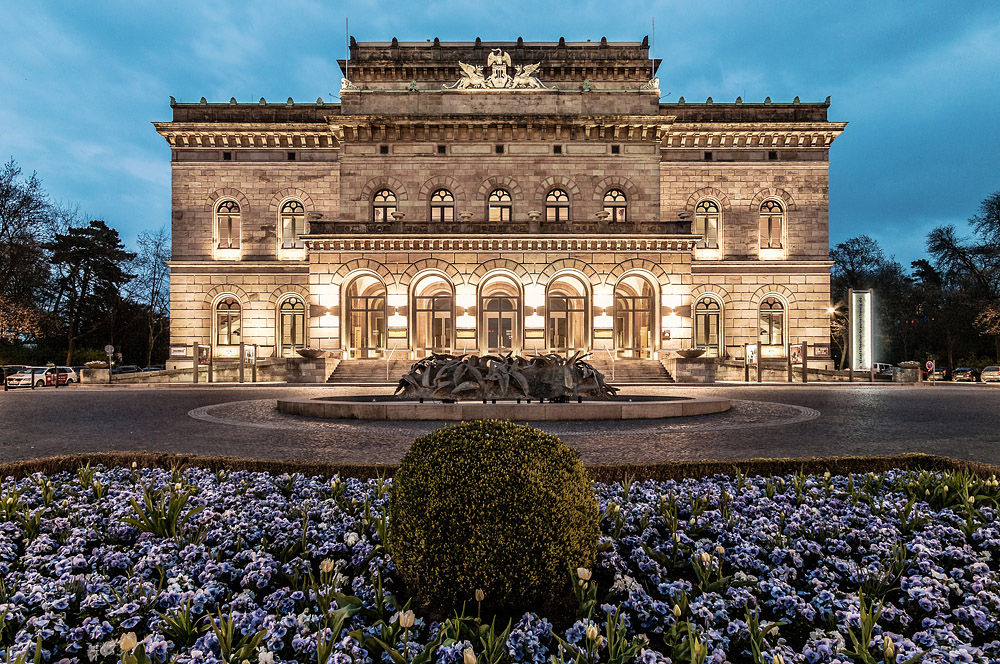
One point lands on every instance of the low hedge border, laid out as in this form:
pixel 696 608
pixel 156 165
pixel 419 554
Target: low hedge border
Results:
pixel 663 470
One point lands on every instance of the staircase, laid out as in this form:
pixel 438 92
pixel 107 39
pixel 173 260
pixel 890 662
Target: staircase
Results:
pixel 367 372
pixel 631 370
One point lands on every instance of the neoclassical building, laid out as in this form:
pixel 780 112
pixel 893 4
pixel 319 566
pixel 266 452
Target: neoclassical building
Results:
pixel 494 197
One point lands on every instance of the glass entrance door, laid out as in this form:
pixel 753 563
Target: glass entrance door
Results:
pixel 500 318
pixel 634 317
pixel 567 323
pixel 434 323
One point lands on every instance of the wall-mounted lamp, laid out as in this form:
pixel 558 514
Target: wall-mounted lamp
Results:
pixel 465 322
pixel 534 321
pixel 534 295
pixel 397 321
pixel 604 322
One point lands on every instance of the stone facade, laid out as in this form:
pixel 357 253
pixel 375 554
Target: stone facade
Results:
pixel 563 210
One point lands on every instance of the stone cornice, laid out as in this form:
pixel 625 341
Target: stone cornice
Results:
pixel 793 266
pixel 299 136
pixel 239 267
pixel 658 243
pixel 479 128
pixel 752 135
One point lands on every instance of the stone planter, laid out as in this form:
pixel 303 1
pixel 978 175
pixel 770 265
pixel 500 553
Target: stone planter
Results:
pixel 690 352
pixel 311 352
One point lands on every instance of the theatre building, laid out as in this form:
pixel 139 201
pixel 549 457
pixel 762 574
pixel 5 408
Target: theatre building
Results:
pixel 499 197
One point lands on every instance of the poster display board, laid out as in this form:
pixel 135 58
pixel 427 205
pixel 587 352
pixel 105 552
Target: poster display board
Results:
pixel 860 313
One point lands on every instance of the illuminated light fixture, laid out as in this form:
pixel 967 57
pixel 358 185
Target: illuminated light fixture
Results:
pixel 397 321
pixel 604 322
pixel 603 300
pixel 329 320
pixel 671 300
pixel 465 321
pixel 396 300
pixel 670 322
pixel 534 321
pixel 465 299
pixel 329 296
pixel 534 295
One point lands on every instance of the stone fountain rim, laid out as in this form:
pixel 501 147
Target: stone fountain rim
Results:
pixel 595 409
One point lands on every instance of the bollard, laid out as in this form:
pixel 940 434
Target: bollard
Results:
pixel 211 365
pixel 242 359
pixel 3 372
pixel 32 377
pixel 195 349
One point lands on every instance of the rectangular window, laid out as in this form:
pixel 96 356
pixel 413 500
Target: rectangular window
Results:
pixel 441 149
pixel 556 149
pixel 227 156
pixel 291 156
pixel 616 149
pixel 383 149
pixel 708 156
pixel 499 149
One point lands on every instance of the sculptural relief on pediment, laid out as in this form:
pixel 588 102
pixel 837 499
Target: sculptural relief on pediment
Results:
pixel 497 75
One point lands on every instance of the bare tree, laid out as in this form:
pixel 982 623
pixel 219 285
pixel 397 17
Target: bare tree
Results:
pixel 151 287
pixel 24 212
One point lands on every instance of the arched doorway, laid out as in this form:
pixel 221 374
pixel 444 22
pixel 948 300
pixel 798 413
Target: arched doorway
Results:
pixel 291 326
pixel 433 316
pixel 634 301
pixel 500 316
pixel 366 317
pixel 566 307
pixel 708 326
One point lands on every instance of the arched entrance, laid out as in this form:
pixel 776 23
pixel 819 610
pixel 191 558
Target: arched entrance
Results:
pixel 634 301
pixel 433 315
pixel 567 313
pixel 365 317
pixel 708 326
pixel 500 316
pixel 291 326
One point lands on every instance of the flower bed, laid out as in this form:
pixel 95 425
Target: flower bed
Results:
pixel 202 566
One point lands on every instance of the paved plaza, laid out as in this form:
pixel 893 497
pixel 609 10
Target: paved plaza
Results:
pixel 771 420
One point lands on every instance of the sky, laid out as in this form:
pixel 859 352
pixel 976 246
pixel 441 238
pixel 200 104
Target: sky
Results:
pixel 917 81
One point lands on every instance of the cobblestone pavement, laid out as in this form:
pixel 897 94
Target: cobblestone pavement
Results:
pixel 766 421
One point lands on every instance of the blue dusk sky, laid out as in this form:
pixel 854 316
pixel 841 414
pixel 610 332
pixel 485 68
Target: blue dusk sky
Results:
pixel 918 81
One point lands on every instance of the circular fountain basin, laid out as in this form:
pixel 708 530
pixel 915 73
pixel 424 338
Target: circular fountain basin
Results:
pixel 391 408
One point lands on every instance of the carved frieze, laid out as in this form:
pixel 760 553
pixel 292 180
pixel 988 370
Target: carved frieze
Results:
pixel 497 75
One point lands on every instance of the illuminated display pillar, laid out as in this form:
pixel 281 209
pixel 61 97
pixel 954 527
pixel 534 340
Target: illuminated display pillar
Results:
pixel 859 312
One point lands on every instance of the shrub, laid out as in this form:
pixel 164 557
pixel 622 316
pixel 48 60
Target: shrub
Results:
pixel 491 505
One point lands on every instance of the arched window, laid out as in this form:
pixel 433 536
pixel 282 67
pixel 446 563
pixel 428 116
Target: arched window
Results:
pixel 772 322
pixel 292 326
pixel 616 205
pixel 708 326
pixel 557 206
pixel 706 223
pixel 772 218
pixel 293 224
pixel 227 221
pixel 383 205
pixel 442 206
pixel 227 322
pixel 499 206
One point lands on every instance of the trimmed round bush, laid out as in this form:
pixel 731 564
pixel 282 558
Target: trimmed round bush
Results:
pixel 491 505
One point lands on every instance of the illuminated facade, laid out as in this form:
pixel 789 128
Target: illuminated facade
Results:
pixel 498 197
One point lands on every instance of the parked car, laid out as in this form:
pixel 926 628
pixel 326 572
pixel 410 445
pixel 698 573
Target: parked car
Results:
pixel 128 368
pixel 883 370
pixel 990 374
pixel 153 367
pixel 940 373
pixel 966 374
pixel 43 377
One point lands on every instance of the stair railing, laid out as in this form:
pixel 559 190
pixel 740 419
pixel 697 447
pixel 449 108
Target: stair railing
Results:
pixel 612 356
pixel 387 360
